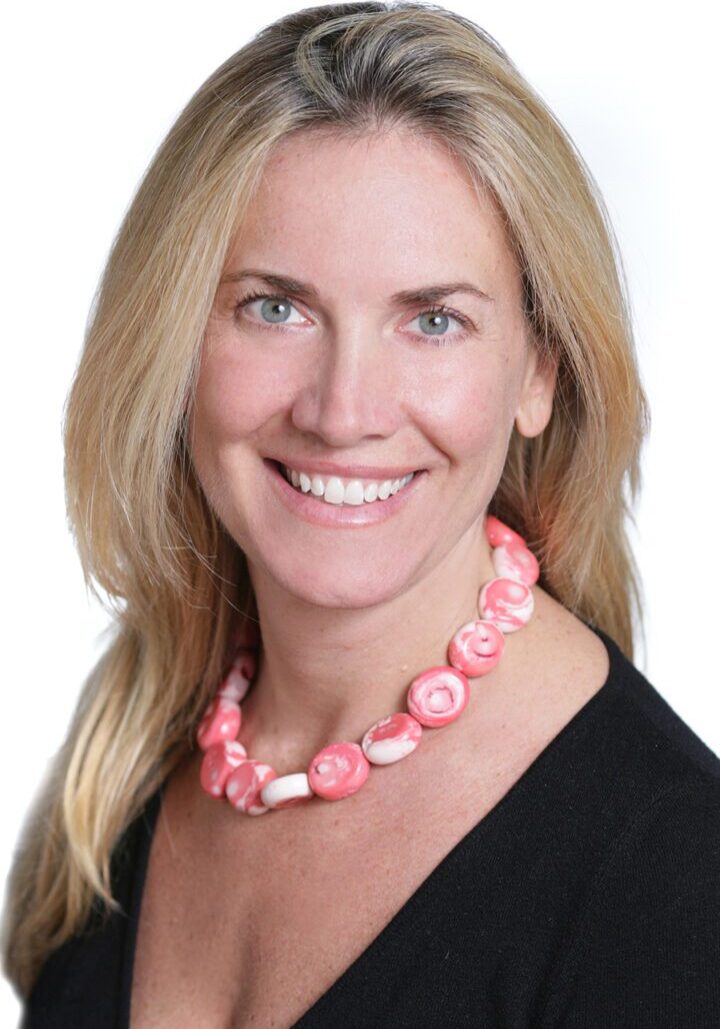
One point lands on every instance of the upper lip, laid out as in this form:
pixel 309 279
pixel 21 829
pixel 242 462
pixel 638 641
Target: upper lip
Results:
pixel 352 471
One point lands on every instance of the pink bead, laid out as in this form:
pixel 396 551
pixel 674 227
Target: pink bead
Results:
pixel 241 673
pixel 438 696
pixel 392 738
pixel 338 770
pixel 221 721
pixel 476 648
pixel 217 764
pixel 506 603
pixel 286 791
pixel 516 561
pixel 244 784
pixel 498 532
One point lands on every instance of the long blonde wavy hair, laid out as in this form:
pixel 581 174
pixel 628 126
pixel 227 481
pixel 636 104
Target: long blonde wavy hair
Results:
pixel 173 578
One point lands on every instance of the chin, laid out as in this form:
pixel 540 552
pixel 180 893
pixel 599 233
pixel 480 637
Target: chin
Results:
pixel 343 588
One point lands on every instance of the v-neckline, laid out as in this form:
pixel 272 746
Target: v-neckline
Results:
pixel 403 917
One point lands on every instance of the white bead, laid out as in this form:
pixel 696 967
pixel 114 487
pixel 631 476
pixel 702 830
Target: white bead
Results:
pixel 285 787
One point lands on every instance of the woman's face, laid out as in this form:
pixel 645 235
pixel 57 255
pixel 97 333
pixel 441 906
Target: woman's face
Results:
pixel 353 370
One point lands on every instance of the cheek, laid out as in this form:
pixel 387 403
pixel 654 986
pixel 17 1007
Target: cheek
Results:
pixel 469 415
pixel 233 399
pixel 237 394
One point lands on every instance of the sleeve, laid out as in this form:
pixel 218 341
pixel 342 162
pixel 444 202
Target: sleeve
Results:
pixel 646 952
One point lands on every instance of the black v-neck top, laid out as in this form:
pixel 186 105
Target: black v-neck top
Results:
pixel 589 896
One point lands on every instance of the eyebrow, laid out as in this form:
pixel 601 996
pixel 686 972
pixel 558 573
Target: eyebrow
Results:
pixel 422 295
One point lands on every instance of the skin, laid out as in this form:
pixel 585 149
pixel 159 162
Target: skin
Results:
pixel 350 616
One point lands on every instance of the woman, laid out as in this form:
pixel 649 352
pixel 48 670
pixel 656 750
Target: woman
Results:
pixel 350 438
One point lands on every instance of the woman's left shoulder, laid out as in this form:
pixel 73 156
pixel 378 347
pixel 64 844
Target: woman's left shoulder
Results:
pixel 646 951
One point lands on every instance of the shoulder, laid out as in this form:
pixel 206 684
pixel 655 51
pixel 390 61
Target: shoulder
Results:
pixel 562 645
pixel 643 795
pixel 84 981
pixel 636 715
pixel 668 855
pixel 646 948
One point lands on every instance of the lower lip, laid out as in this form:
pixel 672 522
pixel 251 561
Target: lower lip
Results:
pixel 319 512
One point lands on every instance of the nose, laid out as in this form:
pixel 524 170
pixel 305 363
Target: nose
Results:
pixel 351 390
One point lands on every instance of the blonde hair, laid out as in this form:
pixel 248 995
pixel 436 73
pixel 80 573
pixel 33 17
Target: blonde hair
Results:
pixel 145 533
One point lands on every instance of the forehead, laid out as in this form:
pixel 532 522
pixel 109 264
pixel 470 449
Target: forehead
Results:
pixel 383 207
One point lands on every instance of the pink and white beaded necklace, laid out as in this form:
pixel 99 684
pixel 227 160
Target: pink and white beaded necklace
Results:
pixel 434 698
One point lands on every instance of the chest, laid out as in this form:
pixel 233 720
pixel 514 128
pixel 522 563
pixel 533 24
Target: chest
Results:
pixel 247 922
pixel 251 926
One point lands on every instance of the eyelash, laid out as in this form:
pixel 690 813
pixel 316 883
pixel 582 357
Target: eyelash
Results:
pixel 434 341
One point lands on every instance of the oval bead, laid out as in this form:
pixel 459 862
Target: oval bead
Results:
pixel 498 532
pixel 221 721
pixel 392 738
pixel 476 648
pixel 438 696
pixel 516 561
pixel 218 762
pixel 234 686
pixel 239 676
pixel 286 790
pixel 506 603
pixel 244 785
pixel 338 770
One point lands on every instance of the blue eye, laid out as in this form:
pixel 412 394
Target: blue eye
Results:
pixel 276 308
pixel 437 318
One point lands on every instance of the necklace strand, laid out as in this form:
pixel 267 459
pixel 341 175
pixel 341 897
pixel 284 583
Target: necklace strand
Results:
pixel 435 697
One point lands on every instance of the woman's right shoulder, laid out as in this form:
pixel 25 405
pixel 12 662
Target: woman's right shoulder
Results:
pixel 82 982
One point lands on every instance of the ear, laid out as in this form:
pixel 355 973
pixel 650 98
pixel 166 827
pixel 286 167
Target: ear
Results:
pixel 536 397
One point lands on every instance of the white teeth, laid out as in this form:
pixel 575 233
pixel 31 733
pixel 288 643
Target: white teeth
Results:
pixel 371 492
pixel 334 491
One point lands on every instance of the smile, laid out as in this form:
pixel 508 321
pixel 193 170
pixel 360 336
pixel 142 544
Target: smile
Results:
pixel 335 490
pixel 332 502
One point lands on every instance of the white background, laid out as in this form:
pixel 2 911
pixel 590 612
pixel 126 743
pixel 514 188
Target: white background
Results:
pixel 90 90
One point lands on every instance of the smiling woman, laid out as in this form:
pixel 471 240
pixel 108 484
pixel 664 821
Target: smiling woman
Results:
pixel 352 445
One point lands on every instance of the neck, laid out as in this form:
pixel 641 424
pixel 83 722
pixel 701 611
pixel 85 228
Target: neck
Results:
pixel 325 674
